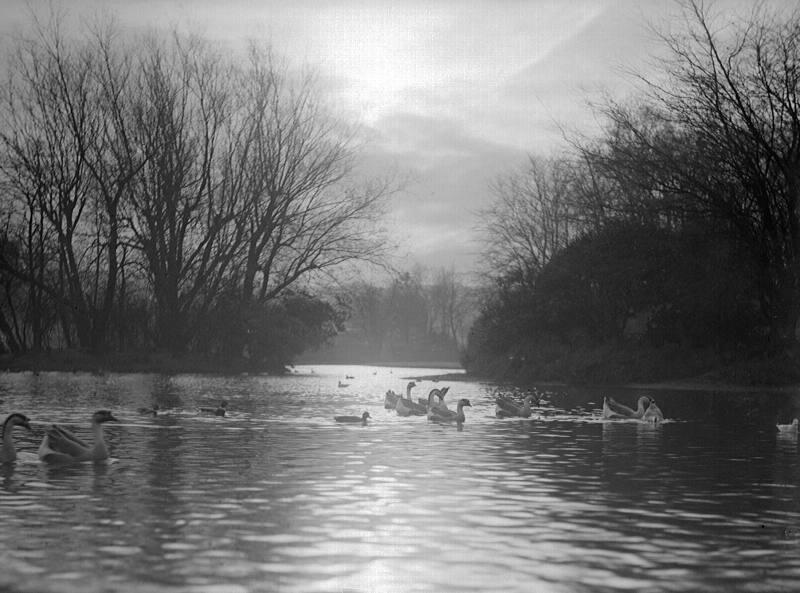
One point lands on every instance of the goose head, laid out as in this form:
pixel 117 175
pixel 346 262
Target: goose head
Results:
pixel 364 416
pixel 464 402
pixel 16 419
pixel 102 416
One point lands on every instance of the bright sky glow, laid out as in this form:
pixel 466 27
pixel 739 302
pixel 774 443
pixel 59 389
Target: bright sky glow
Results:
pixel 451 92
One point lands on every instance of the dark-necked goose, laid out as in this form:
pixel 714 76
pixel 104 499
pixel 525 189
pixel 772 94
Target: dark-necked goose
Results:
pixel 149 411
pixel 438 415
pixel 507 408
pixel 354 419
pixel 7 452
pixel 59 445
pixel 220 410
pixel 613 409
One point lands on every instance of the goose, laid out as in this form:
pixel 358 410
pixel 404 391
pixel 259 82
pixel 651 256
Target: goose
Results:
pixel 353 419
pixel 653 413
pixel 220 410
pixel 781 427
pixel 149 411
pixel 613 409
pixel 59 445
pixel 407 407
pixel 7 452
pixel 391 398
pixel 438 415
pixel 344 384
pixel 440 393
pixel 507 408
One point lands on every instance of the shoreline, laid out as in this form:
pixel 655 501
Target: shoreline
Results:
pixel 164 363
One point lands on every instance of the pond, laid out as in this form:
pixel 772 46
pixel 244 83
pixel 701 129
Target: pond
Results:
pixel 276 496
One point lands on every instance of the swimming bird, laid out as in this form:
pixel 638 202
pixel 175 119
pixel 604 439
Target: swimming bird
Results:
pixel 613 409
pixel 7 452
pixel 59 445
pixel 220 410
pixel 440 393
pixel 353 419
pixel 438 415
pixel 788 427
pixel 405 406
pixel 344 384
pixel 505 407
pixel 390 400
pixel 653 413
pixel 149 411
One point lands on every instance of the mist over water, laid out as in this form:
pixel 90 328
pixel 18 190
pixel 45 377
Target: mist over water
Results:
pixel 276 496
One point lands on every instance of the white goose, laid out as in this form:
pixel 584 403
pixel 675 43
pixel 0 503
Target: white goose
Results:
pixel 405 406
pixel 7 451
pixel 788 428
pixel 60 445
pixel 613 409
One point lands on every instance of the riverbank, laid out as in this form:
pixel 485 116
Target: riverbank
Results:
pixel 166 363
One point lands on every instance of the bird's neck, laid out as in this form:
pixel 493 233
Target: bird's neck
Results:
pixel 99 442
pixel 7 451
pixel 408 391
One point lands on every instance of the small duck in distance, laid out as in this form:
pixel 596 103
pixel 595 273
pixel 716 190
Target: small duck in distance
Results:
pixel 343 384
pixel 153 411
pixel 61 446
pixel 354 419
pixel 8 452
pixel 220 410
pixel 615 410
pixel 788 428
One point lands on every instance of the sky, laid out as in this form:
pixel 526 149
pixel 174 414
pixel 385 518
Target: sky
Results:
pixel 450 94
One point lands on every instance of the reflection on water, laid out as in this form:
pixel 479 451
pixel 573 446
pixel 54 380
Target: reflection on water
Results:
pixel 277 497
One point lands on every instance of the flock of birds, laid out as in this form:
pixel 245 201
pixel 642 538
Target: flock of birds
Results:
pixel 59 445
pixel 436 409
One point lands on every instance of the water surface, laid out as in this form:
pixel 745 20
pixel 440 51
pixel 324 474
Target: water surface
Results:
pixel 276 496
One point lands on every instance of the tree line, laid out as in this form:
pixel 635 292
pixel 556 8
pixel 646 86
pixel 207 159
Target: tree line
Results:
pixel 160 193
pixel 420 314
pixel 670 241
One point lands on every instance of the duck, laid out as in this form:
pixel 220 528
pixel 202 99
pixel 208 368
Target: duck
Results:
pixel 353 419
pixel 781 427
pixel 615 410
pixel 59 445
pixel 438 415
pixel 507 408
pixel 653 413
pixel 7 451
pixel 344 384
pixel 149 411
pixel 220 410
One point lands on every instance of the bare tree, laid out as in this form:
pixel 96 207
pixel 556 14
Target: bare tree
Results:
pixel 530 219
pixel 722 133
pixel 306 211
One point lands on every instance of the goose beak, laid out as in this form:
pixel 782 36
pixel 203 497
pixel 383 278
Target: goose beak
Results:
pixel 111 418
pixel 27 425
